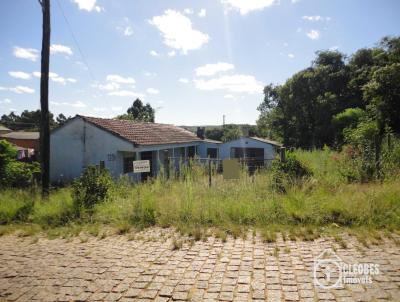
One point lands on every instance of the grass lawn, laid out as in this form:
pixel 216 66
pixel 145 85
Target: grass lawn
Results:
pixel 323 204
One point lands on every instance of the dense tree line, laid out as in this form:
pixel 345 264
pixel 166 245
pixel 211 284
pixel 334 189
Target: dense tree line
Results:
pixel 321 104
pixel 30 120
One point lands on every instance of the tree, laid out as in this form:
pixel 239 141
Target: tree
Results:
pixel 383 94
pixel 139 112
pixel 231 132
pixel 306 110
pixel 61 119
pixel 27 121
pixel 215 134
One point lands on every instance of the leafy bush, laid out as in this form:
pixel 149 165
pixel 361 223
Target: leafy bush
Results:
pixel 12 172
pixel 91 188
pixel 289 172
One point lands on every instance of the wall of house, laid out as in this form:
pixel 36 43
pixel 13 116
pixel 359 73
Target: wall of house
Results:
pixel 202 149
pixel 79 144
pixel 225 148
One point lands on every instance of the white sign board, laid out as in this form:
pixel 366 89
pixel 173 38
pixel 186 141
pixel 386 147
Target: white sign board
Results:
pixel 140 166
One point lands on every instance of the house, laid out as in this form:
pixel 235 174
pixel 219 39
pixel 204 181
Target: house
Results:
pixel 250 147
pixel 255 151
pixel 23 139
pixel 114 144
pixel 4 130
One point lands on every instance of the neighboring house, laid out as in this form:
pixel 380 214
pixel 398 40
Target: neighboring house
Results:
pixel 27 140
pixel 256 148
pixel 115 144
pixel 84 141
pixel 4 130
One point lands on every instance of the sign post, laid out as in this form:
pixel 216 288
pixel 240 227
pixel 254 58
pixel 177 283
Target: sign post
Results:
pixel 141 166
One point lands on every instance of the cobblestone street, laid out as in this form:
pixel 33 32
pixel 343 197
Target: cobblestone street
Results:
pixel 149 269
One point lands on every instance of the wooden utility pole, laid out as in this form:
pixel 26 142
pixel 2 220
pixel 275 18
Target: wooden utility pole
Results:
pixel 44 100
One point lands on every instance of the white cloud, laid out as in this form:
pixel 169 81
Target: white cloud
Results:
pixel 246 6
pixel 99 109
pixel 109 86
pixel 291 56
pixel 333 48
pixel 313 34
pixel 184 80
pixel 229 96
pixel 62 49
pixel 26 53
pixel 128 31
pixel 20 75
pixel 202 13
pixel 120 79
pixel 6 101
pixel 77 104
pixel 172 53
pixel 150 74
pixel 126 93
pixel 154 53
pixel 21 89
pixel 212 69
pixel 152 91
pixel 316 18
pixel 295 1
pixel 116 108
pixel 231 83
pixel 55 78
pixel 178 32
pixel 188 11
pixel 88 5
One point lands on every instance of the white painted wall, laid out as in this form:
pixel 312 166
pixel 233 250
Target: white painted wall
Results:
pixel 79 144
pixel 202 149
pixel 246 142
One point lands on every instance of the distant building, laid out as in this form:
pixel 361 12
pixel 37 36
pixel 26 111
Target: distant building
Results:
pixel 27 140
pixel 115 144
pixel 4 130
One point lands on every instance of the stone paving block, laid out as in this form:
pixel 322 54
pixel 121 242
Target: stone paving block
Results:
pixel 149 270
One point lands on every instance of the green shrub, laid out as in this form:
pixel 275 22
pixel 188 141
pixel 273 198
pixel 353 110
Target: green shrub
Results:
pixel 12 172
pixel 91 188
pixel 289 172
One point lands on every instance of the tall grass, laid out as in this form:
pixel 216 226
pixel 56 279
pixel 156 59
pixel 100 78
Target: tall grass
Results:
pixel 186 200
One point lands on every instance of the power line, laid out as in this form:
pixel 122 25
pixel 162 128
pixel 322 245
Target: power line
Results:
pixel 76 41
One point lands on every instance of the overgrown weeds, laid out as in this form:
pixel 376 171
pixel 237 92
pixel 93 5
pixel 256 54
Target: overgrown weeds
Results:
pixel 320 200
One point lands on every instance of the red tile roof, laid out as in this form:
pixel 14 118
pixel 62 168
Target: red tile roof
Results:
pixel 144 133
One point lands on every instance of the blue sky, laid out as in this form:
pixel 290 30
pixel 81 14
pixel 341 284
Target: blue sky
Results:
pixel 193 61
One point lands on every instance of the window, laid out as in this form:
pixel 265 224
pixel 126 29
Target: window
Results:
pixel 128 164
pixel 212 152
